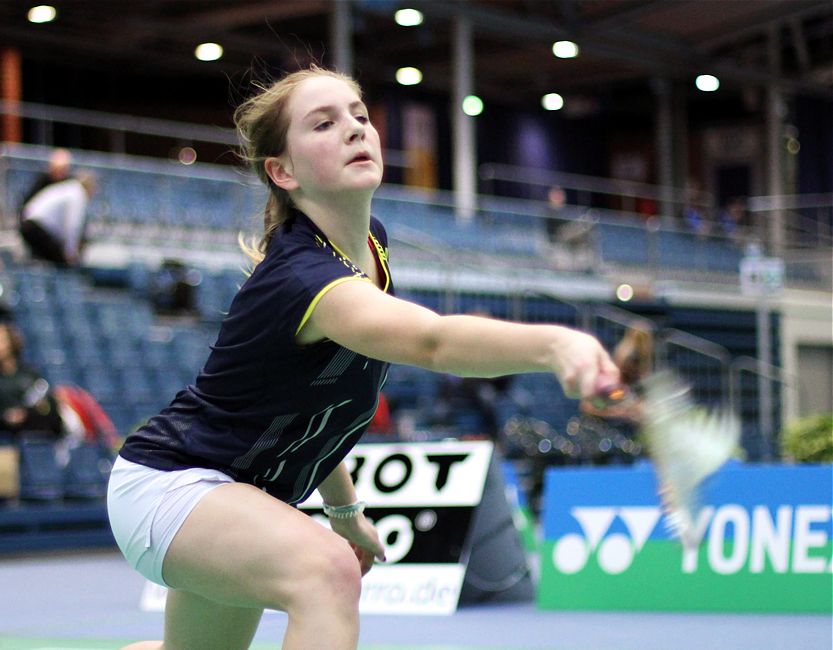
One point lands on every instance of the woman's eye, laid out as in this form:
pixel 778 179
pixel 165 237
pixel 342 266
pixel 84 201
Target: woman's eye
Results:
pixel 364 119
pixel 323 125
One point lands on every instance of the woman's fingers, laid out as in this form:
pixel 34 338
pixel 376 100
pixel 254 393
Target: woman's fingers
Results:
pixel 585 368
pixel 363 539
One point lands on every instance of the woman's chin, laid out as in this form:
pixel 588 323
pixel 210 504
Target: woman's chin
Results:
pixel 368 183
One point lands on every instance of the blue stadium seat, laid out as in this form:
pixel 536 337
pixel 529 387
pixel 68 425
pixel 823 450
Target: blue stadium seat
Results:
pixel 86 473
pixel 102 383
pixel 41 478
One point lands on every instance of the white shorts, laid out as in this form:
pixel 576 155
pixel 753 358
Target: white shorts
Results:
pixel 148 506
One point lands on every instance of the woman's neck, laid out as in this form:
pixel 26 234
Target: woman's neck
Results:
pixel 345 224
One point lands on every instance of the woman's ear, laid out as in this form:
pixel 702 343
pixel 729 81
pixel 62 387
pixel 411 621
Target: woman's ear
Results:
pixel 280 173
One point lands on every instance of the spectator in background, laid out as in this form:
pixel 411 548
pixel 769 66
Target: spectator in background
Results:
pixel 26 402
pixel 382 423
pixel 695 220
pixel 85 421
pixel 173 289
pixel 58 170
pixel 556 199
pixel 610 434
pixel 693 213
pixel 478 396
pixel 634 356
pixel 569 232
pixel 732 217
pixel 475 395
pixel 53 220
pixel 646 207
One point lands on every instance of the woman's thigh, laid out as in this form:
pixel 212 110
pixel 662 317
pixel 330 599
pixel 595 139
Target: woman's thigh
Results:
pixel 243 548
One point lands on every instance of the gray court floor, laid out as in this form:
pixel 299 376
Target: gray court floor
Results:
pixel 58 601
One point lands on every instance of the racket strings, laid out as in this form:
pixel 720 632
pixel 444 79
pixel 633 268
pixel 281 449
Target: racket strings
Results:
pixel 687 444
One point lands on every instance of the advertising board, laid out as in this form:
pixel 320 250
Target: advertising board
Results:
pixel 763 542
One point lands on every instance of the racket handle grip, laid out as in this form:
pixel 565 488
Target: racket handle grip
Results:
pixel 613 395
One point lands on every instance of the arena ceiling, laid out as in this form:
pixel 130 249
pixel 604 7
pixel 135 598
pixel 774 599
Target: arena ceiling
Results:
pixel 623 42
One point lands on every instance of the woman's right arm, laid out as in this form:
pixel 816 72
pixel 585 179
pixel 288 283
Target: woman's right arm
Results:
pixel 362 318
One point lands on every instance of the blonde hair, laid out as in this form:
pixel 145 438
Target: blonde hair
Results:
pixel 262 122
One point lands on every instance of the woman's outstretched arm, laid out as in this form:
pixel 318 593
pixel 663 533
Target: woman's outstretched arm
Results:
pixel 362 318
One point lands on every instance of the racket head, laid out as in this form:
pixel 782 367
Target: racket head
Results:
pixel 686 443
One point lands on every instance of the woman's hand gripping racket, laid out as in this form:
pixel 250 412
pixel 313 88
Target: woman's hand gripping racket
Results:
pixel 686 443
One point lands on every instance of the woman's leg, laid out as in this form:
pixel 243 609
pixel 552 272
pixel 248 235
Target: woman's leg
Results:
pixel 240 551
pixel 192 622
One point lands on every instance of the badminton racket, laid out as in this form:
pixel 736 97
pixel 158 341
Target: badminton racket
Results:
pixel 686 443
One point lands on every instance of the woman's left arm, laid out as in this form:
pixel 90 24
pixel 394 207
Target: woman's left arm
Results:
pixel 337 489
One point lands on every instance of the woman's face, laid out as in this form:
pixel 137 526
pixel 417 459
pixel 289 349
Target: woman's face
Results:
pixel 331 145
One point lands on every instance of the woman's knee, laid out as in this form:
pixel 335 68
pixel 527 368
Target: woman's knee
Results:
pixel 330 572
pixel 337 567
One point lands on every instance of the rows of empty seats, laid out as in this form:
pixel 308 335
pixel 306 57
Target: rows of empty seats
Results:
pixel 109 342
pixel 105 341
pixel 204 201
pixel 634 244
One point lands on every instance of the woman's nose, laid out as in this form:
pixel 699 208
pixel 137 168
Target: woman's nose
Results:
pixel 356 131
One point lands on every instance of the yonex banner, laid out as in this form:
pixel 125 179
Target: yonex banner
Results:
pixel 764 542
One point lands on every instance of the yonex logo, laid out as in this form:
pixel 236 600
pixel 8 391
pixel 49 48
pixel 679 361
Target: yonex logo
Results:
pixel 615 553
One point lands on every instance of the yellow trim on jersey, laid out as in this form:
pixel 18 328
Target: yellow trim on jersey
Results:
pixel 339 251
pixel 320 295
pixel 383 259
pixel 381 253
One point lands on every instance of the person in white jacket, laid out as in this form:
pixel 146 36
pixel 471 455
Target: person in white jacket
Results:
pixel 53 220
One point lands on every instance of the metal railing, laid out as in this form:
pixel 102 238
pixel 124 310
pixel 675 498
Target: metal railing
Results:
pixel 768 411
pixel 610 324
pixel 611 240
pixel 116 127
pixel 801 229
pixel 703 363
pixel 697 358
pixel 716 378
pixel 586 187
pixel 46 116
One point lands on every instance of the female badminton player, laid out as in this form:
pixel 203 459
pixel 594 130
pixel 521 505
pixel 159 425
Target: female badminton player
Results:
pixel 202 498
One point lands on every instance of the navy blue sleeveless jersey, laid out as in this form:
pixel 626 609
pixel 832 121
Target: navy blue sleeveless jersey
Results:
pixel 264 409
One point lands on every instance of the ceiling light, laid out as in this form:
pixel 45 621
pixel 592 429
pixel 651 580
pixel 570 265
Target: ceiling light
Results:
pixel 565 49
pixel 472 105
pixel 208 51
pixel 552 102
pixel 187 155
pixel 42 14
pixel 409 76
pixel 408 17
pixel 625 292
pixel 707 83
